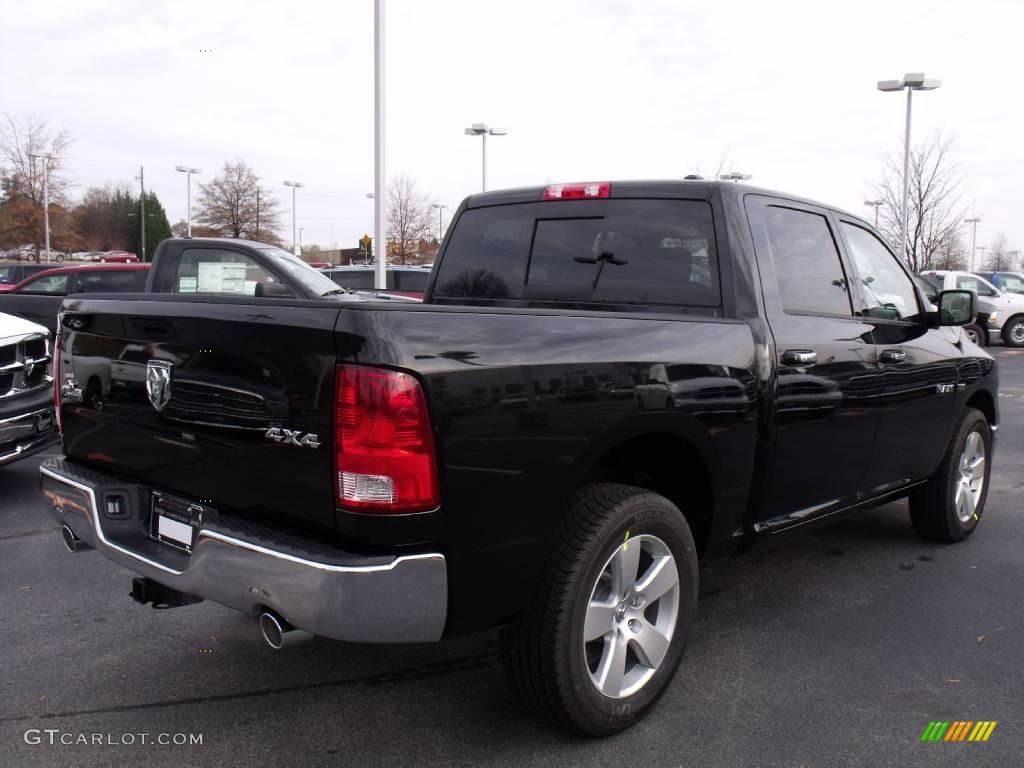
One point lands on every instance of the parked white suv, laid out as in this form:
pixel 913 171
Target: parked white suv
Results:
pixel 998 311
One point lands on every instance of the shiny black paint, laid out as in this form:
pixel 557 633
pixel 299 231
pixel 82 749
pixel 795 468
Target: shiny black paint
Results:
pixel 528 401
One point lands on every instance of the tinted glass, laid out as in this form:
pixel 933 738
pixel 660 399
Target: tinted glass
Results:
pixel 886 289
pixel 357 279
pixel 1011 283
pixel 638 252
pixel 411 281
pixel 109 281
pixel 806 262
pixel 54 284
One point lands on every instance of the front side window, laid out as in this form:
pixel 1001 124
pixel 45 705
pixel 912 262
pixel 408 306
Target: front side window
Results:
pixel 51 284
pixel 970 283
pixel 807 265
pixel 885 289
pixel 213 271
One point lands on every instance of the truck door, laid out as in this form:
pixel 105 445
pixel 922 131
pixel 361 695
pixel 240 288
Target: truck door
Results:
pixel 917 365
pixel 824 419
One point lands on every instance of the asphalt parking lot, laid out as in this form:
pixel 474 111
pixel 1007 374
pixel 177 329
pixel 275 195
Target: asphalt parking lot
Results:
pixel 835 647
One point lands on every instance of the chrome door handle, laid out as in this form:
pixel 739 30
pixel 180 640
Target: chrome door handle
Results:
pixel 799 357
pixel 892 356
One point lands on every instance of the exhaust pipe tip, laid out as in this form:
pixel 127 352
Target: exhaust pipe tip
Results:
pixel 278 633
pixel 71 542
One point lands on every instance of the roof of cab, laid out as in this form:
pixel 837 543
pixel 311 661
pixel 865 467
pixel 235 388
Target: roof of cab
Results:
pixel 686 189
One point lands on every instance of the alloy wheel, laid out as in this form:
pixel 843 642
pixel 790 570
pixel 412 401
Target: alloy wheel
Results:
pixel 631 616
pixel 971 480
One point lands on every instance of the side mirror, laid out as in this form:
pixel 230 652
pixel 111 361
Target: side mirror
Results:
pixel 957 307
pixel 273 291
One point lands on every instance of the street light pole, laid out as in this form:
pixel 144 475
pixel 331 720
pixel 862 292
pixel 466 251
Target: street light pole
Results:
pixel 981 261
pixel 379 170
pixel 188 171
pixel 440 225
pixel 46 199
pixel 876 204
pixel 483 131
pixel 912 81
pixel 973 221
pixel 295 241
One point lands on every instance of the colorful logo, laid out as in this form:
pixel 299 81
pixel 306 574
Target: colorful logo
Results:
pixel 959 730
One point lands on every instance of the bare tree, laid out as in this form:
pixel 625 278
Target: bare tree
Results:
pixel 409 219
pixel 936 212
pixel 999 257
pixel 235 204
pixel 951 255
pixel 22 138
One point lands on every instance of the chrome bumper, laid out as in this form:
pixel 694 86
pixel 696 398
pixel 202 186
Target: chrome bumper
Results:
pixel 344 596
pixel 19 435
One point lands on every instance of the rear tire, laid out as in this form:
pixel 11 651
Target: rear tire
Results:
pixel 624 572
pixel 1013 332
pixel 976 334
pixel 949 507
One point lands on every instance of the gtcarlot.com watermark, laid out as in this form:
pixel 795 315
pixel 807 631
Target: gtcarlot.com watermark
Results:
pixel 56 737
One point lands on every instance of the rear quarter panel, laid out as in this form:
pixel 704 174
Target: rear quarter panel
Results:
pixel 524 402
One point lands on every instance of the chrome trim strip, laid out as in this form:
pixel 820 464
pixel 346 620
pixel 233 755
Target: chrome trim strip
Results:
pixel 30 414
pixel 216 535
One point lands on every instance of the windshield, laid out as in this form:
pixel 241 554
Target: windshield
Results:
pixel 299 271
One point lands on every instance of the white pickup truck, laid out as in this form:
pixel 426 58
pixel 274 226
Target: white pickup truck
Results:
pixel 26 389
pixel 999 312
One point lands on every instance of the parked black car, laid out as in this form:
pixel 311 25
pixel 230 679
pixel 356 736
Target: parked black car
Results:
pixel 605 385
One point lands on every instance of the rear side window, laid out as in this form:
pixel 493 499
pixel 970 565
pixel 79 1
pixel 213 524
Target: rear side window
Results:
pixel 624 252
pixel 806 260
pixel 408 280
pixel 357 279
pixel 52 284
pixel 110 281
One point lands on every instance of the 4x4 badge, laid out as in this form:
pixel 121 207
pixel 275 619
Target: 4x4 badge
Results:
pixel 293 437
pixel 158 382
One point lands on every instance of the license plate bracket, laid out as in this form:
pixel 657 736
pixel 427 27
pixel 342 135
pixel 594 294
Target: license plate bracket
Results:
pixel 175 522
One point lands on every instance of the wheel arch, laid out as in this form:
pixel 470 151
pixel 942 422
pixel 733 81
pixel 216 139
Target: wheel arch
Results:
pixel 670 454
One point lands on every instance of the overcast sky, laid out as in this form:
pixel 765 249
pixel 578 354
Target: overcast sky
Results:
pixel 589 90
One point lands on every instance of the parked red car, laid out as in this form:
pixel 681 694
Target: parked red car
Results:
pixel 117 257
pixel 38 298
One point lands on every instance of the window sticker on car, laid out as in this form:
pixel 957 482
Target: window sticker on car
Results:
pixel 187 285
pixel 219 277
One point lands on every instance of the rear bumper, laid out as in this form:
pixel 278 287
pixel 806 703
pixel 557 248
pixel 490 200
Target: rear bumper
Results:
pixel 19 432
pixel 340 595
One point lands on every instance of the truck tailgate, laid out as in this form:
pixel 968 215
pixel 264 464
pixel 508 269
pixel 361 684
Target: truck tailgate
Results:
pixel 180 396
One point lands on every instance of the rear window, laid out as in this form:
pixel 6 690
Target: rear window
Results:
pixel 357 279
pixel 621 252
pixel 111 281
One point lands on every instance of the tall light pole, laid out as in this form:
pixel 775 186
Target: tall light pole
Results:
pixel 483 131
pixel 188 194
pixel 379 170
pixel 876 204
pixel 912 81
pixel 46 198
pixel 735 176
pixel 981 261
pixel 295 240
pixel 440 226
pixel 973 221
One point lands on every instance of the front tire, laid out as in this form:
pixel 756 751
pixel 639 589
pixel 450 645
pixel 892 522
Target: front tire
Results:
pixel 606 628
pixel 976 334
pixel 949 507
pixel 1013 332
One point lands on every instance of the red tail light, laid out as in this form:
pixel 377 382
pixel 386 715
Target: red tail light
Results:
pixel 591 189
pixel 57 345
pixel 384 449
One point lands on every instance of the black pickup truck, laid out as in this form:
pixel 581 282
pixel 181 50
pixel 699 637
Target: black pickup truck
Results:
pixel 605 385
